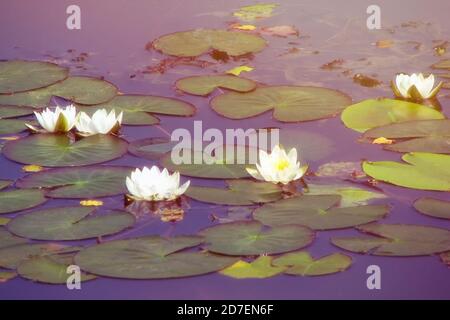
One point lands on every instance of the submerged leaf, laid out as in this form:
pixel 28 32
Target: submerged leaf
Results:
pixel 204 85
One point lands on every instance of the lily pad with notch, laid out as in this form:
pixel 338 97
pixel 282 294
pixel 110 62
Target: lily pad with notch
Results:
pixel 373 113
pixel 140 109
pixel 239 192
pixel 69 223
pixel 199 41
pixel 83 90
pixel 18 200
pixel 21 75
pixel 396 240
pixel 303 264
pixel 151 257
pixel 318 212
pixel 247 238
pixel 204 85
pixel 415 136
pixel 151 148
pixel 421 170
pixel 79 182
pixel 289 103
pixel 51 150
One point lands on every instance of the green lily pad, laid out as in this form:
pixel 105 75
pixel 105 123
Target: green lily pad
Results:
pixel 151 148
pixel 19 75
pixel 51 150
pixel 239 192
pixel 12 126
pixel 79 182
pixel 424 171
pixel 150 257
pixel 420 136
pixel 302 264
pixel 443 64
pixel 220 168
pixel 197 42
pixel 5 183
pixel 445 257
pixel 396 240
pixel 433 207
pixel 261 268
pixel 318 212
pixel 18 200
pixel 289 103
pixel 14 111
pixel 12 256
pixel 139 109
pixel 350 195
pixel 7 239
pixel 7 275
pixel 373 113
pixel 44 269
pixel 204 85
pixel 83 90
pixel 256 11
pixel 69 223
pixel 248 238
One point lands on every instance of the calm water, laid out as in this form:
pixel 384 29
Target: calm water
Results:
pixel 114 34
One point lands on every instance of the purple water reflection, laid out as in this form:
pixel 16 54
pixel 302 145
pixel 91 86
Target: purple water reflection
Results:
pixel 114 33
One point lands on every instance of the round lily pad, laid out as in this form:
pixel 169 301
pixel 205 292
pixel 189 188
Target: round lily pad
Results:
pixel 396 240
pixel 51 150
pixel 83 90
pixel 14 111
pixel 204 85
pixel 10 257
pixel 289 103
pixel 319 212
pixel 302 264
pixel 433 207
pixel 425 171
pixel 373 113
pixel 420 136
pixel 248 238
pixel 44 269
pixel 150 257
pixel 12 126
pixel 260 268
pixel 7 239
pixel 220 168
pixel 69 223
pixel 151 148
pixel 196 42
pixel 18 200
pixel 79 182
pixel 239 192
pixel 19 75
pixel 139 109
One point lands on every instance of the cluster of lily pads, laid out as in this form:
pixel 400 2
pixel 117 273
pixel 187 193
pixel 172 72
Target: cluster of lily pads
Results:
pixel 283 213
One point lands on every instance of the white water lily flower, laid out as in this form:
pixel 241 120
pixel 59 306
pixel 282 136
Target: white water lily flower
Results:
pixel 415 86
pixel 278 167
pixel 155 185
pixel 59 120
pixel 100 123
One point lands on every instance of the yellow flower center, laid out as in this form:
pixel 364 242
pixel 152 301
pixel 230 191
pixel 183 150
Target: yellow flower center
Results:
pixel 281 164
